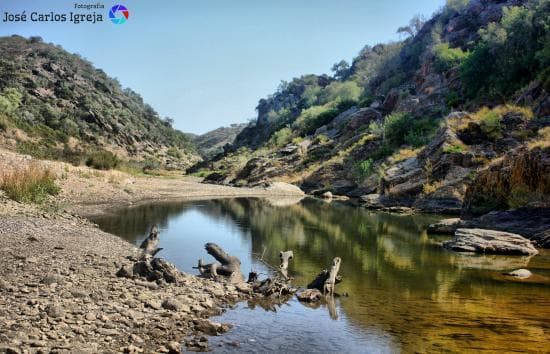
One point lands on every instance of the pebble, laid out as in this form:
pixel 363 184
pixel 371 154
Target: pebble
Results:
pixel 72 295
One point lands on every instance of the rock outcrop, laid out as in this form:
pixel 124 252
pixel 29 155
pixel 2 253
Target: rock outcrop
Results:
pixel 490 241
pixel 522 176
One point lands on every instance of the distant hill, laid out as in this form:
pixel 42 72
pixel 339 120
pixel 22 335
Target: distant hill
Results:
pixel 211 143
pixel 54 104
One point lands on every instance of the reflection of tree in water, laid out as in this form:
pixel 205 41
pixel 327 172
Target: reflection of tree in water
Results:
pixel 398 278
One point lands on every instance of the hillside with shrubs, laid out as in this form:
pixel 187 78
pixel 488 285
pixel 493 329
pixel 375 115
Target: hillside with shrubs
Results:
pixel 415 123
pixel 57 105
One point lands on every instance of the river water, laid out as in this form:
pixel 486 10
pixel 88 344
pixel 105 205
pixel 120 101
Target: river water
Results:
pixel 405 293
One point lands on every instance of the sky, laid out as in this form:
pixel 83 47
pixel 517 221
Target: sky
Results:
pixel 206 63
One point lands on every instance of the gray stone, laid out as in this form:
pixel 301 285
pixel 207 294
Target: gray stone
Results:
pixel 55 311
pixel 171 304
pixel 490 241
pixel 520 273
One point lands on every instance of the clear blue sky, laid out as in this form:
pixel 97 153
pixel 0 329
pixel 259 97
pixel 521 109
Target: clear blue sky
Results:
pixel 206 63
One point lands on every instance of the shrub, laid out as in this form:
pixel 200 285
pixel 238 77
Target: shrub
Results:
pixel 102 160
pixel 446 58
pixel 150 164
pixel 345 105
pixel 366 101
pixel 457 5
pixel 341 91
pixel 364 169
pixel 490 119
pixel 32 184
pixel 453 100
pixel 509 54
pixel 174 152
pixel 314 117
pixel 402 128
pixel 321 139
pixel 395 128
pixel 10 99
pixel 3 123
pixel 280 137
pixel 490 124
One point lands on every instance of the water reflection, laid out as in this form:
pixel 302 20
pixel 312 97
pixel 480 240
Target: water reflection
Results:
pixel 406 293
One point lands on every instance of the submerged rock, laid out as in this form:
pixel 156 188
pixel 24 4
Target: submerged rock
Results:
pixel 309 295
pixel 490 241
pixel 520 273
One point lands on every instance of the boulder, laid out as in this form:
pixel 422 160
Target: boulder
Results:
pixel 490 241
pixel 215 178
pixel 363 117
pixel 531 222
pixel 286 189
pixel 391 101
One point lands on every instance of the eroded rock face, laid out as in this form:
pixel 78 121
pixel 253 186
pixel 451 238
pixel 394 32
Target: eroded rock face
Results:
pixel 523 175
pixel 490 241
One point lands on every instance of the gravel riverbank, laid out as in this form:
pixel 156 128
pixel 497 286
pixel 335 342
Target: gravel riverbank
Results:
pixel 59 291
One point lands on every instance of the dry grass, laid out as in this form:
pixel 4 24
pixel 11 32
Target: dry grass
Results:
pixel 403 154
pixel 429 188
pixel 30 184
pixel 543 139
pixel 486 115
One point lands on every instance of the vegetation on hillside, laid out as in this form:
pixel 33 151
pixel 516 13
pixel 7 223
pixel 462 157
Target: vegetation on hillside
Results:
pixel 65 106
pixel 396 102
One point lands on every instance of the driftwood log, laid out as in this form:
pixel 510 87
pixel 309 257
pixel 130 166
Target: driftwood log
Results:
pixel 278 286
pixel 326 280
pixel 228 266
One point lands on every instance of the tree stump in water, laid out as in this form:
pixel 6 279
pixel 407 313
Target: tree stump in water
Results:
pixel 331 276
pixel 330 283
pixel 285 257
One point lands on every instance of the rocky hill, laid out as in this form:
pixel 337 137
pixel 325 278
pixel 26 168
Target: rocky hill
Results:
pixel 447 120
pixel 212 143
pixel 57 105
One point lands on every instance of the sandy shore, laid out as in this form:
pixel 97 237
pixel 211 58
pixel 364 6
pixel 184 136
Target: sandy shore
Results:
pixel 59 291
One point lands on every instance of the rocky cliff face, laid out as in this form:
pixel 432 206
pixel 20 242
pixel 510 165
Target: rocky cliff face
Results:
pixel 51 100
pixel 520 177
pixel 414 138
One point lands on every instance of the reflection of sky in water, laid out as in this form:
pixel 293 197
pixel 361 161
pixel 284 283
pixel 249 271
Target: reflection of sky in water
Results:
pixel 406 293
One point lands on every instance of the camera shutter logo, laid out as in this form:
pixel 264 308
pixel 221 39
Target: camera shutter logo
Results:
pixel 119 14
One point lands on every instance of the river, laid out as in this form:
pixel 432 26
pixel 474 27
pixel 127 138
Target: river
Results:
pixel 404 292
